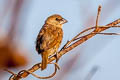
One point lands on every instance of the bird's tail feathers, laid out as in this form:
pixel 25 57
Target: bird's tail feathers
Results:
pixel 44 61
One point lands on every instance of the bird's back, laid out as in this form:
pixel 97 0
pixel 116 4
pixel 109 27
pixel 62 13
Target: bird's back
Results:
pixel 49 39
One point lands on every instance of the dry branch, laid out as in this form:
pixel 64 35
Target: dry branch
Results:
pixel 69 46
pixel 72 46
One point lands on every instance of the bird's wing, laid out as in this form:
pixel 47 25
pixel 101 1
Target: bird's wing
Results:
pixel 49 38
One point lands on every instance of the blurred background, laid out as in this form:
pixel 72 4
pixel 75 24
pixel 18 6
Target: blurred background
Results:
pixel 96 59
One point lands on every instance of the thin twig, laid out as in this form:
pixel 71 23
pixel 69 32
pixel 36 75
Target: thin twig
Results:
pixel 98 14
pixel 12 77
pixel 39 76
pixel 77 37
pixel 98 33
pixel 108 33
pixel 9 71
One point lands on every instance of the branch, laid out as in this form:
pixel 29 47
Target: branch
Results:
pixel 69 46
pixel 98 14
pixel 72 46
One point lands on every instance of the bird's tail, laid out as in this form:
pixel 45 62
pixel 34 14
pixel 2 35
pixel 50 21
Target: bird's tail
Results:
pixel 44 61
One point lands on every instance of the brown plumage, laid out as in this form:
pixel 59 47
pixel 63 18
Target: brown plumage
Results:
pixel 49 38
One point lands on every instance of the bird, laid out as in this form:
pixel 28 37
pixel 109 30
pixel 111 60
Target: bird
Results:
pixel 50 37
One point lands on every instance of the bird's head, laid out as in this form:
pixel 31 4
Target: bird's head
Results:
pixel 56 20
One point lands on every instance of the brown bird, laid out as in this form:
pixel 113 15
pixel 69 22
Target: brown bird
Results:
pixel 49 38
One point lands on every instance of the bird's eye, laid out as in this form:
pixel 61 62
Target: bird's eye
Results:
pixel 57 19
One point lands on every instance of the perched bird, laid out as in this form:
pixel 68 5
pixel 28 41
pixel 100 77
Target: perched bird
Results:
pixel 49 38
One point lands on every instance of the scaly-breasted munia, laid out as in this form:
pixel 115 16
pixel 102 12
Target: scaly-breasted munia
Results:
pixel 49 38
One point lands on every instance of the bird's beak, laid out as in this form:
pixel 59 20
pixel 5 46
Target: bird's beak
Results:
pixel 63 21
